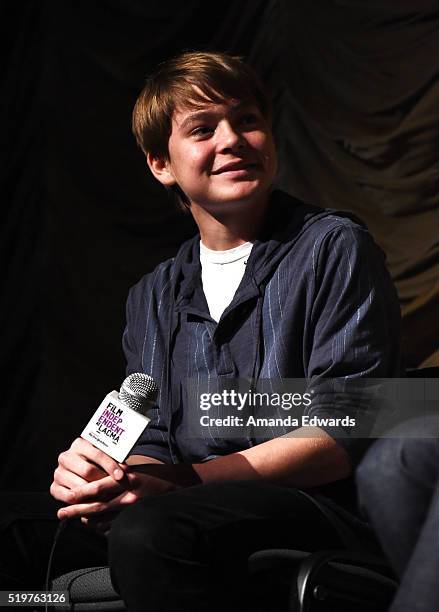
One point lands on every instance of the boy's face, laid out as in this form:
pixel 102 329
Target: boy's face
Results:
pixel 219 155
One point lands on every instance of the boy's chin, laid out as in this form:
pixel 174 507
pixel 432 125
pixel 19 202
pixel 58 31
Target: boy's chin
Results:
pixel 248 195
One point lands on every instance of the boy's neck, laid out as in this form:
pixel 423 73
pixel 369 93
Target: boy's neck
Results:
pixel 227 230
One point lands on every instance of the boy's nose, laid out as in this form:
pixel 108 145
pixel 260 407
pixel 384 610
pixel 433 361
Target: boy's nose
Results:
pixel 229 137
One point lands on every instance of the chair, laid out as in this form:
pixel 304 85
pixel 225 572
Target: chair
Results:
pixel 89 589
pixel 308 581
pixel 325 580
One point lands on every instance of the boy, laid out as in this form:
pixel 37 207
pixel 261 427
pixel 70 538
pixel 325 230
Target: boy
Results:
pixel 270 289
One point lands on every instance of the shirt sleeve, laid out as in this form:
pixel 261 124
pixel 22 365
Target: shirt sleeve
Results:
pixel 354 334
pixel 153 442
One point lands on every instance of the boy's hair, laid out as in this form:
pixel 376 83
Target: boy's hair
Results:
pixel 190 80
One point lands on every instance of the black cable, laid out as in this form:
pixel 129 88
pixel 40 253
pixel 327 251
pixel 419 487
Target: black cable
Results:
pixel 59 530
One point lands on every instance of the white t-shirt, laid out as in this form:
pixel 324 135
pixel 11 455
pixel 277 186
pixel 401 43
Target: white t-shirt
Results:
pixel 221 273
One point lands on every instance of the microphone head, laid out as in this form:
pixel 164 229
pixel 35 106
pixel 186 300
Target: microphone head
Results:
pixel 138 392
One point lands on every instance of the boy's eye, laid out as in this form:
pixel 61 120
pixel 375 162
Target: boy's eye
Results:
pixel 249 118
pixel 202 130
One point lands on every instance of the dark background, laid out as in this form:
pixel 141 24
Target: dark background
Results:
pixel 356 97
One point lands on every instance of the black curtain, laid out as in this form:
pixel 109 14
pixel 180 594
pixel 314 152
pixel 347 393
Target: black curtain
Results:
pixel 355 91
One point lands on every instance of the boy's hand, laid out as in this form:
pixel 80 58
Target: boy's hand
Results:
pixel 98 498
pixel 100 523
pixel 81 464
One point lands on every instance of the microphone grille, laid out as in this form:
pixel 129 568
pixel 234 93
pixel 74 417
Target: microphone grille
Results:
pixel 138 392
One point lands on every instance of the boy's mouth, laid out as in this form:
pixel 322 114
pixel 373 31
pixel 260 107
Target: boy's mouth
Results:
pixel 236 166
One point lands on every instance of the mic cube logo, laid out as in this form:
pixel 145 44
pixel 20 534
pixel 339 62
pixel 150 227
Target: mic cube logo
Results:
pixel 109 422
pixel 114 428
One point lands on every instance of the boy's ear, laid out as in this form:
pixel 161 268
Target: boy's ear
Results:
pixel 161 169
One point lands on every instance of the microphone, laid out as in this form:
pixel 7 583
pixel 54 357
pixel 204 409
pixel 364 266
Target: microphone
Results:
pixel 117 424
